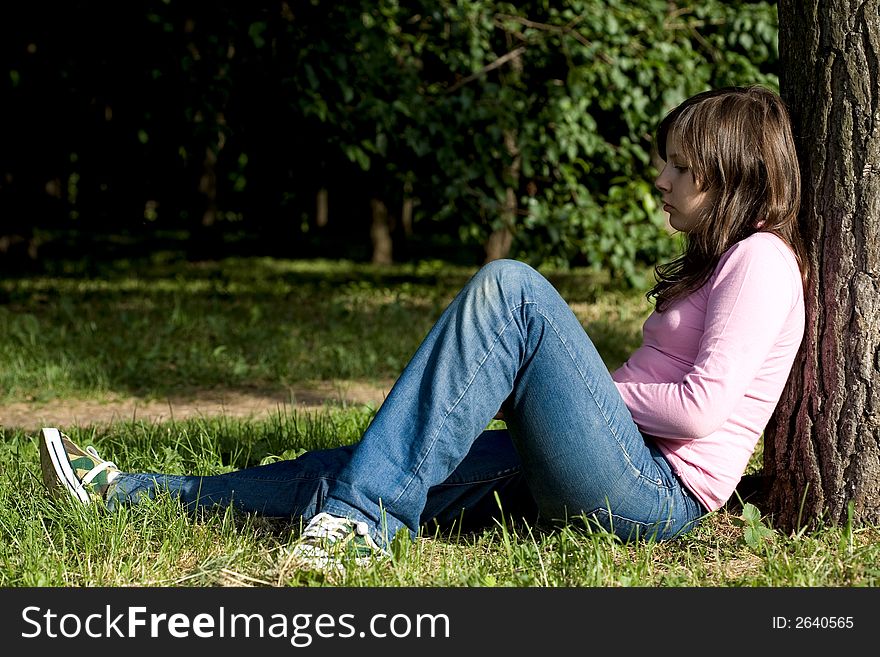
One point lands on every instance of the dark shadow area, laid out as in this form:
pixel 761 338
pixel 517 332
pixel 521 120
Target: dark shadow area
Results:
pixel 752 489
pixel 94 253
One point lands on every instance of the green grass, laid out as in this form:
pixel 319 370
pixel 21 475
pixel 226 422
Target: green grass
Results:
pixel 59 543
pixel 165 326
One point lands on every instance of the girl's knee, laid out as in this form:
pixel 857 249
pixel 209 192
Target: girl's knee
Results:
pixel 506 274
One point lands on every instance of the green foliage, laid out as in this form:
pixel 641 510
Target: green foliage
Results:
pixel 555 101
pixel 244 112
pixel 755 532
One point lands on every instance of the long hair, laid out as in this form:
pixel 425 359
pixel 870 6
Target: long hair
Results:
pixel 738 143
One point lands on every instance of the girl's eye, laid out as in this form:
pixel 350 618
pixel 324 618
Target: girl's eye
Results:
pixel 681 168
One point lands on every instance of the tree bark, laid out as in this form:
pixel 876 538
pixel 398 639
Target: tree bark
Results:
pixel 822 447
pixel 501 239
pixel 322 207
pixel 208 186
pixel 406 210
pixel 380 233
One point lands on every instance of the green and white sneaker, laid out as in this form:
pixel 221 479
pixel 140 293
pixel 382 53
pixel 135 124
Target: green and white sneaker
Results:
pixel 329 542
pixel 66 467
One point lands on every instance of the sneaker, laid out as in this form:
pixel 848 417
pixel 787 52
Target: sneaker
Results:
pixel 328 542
pixel 83 474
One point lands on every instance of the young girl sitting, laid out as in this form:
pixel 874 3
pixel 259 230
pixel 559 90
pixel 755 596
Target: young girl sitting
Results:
pixel 642 452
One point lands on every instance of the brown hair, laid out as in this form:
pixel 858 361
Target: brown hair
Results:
pixel 738 143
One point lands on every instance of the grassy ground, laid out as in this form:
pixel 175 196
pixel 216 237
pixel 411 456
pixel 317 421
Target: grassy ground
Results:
pixel 162 326
pixel 157 327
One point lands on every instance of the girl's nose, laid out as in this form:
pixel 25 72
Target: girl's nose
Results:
pixel 661 182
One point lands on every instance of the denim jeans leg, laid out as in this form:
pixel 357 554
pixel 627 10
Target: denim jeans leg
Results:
pixel 507 335
pixel 487 483
pixel 297 488
pixel 294 488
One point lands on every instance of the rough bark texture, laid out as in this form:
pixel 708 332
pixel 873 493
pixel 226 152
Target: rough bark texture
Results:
pixel 822 448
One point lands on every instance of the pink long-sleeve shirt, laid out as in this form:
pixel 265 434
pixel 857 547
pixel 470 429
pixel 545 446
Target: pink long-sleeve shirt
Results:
pixel 712 366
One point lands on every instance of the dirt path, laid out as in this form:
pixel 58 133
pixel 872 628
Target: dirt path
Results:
pixel 65 413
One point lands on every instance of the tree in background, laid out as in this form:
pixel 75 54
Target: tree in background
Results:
pixel 475 127
pixel 822 449
pixel 526 128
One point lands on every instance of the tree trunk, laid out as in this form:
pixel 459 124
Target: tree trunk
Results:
pixel 822 447
pixel 208 180
pixel 406 210
pixel 499 242
pixel 380 233
pixel 322 207
pixel 208 187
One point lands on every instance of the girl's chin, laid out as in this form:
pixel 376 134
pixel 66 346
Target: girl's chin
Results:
pixel 679 225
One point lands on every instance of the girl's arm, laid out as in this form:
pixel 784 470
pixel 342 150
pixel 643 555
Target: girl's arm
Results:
pixel 753 296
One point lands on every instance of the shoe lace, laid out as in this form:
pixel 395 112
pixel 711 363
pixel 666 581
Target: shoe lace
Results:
pixel 99 467
pixel 331 528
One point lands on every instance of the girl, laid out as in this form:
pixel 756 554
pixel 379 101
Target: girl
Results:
pixel 642 452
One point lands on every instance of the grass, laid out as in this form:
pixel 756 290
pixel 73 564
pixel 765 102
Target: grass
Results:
pixel 165 325
pixel 59 543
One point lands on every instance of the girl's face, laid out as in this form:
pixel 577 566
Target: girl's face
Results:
pixel 682 198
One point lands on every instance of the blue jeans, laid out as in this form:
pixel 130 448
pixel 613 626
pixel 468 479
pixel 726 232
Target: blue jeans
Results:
pixel 507 341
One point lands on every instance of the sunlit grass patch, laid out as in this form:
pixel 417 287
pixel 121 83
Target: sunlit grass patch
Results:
pixel 47 542
pixel 246 323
